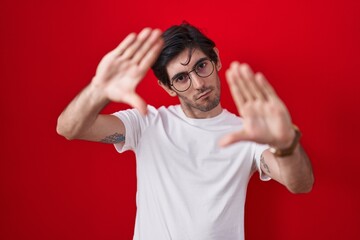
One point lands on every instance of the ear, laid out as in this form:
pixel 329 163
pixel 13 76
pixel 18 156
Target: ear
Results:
pixel 171 92
pixel 218 64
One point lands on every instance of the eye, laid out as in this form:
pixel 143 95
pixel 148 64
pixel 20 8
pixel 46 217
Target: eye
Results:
pixel 181 78
pixel 202 67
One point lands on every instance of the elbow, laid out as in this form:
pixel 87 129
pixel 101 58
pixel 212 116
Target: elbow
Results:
pixel 302 187
pixel 64 130
pixel 65 135
pixel 300 190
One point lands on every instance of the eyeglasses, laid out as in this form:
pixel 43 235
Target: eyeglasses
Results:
pixel 182 81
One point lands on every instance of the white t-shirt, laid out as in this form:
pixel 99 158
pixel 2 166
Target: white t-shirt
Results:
pixel 188 188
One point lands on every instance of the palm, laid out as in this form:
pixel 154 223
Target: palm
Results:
pixel 123 80
pixel 121 70
pixel 265 117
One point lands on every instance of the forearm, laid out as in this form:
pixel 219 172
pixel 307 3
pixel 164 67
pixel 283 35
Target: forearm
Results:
pixel 81 113
pixel 294 171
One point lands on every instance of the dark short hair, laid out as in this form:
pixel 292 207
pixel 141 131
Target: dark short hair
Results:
pixel 176 39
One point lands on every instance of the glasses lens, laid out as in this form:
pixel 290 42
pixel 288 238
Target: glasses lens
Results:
pixel 182 82
pixel 204 68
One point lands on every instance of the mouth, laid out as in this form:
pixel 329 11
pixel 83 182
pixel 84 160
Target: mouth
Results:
pixel 204 94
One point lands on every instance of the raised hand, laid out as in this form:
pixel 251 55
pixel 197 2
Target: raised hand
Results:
pixel 121 70
pixel 266 118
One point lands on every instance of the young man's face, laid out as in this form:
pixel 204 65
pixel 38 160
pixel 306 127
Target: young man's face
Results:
pixel 203 95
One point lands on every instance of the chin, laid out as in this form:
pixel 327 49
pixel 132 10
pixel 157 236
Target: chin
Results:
pixel 209 106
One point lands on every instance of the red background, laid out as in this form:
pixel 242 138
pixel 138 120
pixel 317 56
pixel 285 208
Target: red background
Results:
pixel 55 189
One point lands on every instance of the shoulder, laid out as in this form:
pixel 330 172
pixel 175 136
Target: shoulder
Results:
pixel 232 118
pixel 164 111
pixel 152 112
pixel 154 115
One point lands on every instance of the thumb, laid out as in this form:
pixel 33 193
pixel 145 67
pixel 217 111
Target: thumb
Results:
pixel 137 102
pixel 233 138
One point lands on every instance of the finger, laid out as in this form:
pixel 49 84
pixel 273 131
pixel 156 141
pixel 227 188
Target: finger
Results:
pixel 134 100
pixel 151 55
pixel 249 79
pixel 234 88
pixel 147 45
pixel 241 82
pixel 128 40
pixel 233 138
pixel 268 90
pixel 134 47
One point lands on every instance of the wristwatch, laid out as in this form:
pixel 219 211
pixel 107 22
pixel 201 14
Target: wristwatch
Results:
pixel 287 151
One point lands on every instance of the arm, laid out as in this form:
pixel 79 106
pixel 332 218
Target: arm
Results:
pixel 81 119
pixel 294 171
pixel 267 121
pixel 116 78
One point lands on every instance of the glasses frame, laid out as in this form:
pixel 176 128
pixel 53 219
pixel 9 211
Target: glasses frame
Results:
pixel 194 70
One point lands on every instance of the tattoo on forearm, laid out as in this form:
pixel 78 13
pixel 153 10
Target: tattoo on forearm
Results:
pixel 263 163
pixel 115 138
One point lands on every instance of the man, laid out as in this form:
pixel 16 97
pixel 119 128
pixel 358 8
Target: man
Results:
pixel 194 160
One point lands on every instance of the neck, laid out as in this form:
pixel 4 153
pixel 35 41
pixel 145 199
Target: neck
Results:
pixel 191 112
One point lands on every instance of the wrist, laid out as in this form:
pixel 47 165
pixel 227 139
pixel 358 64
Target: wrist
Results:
pixel 286 139
pixel 287 147
pixel 97 90
pixel 97 94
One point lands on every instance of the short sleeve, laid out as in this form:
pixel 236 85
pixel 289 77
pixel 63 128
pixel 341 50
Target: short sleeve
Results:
pixel 133 122
pixel 259 149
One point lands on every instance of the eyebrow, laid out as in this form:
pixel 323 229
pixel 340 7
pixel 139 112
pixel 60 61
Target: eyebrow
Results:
pixel 197 62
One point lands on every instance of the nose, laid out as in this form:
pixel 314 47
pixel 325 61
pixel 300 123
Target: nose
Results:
pixel 197 82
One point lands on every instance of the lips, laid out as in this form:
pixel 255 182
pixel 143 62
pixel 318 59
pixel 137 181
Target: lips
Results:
pixel 203 94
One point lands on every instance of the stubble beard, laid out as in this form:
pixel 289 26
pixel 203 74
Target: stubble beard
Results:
pixel 209 105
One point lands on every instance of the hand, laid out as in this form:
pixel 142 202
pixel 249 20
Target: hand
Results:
pixel 266 118
pixel 121 70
